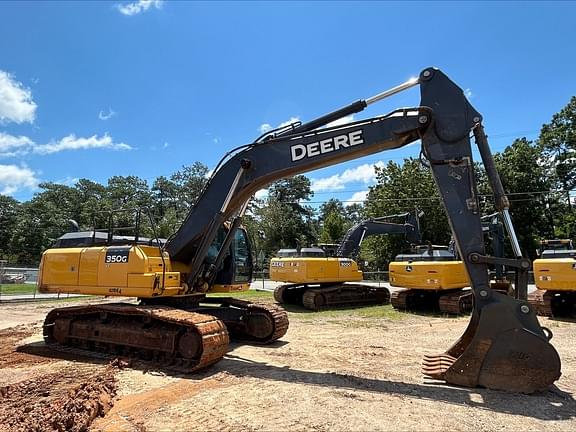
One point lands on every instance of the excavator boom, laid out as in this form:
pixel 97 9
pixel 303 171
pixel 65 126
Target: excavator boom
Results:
pixel 350 246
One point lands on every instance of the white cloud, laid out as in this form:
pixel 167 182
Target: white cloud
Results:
pixel 14 178
pixel 16 104
pixel 357 198
pixel 13 145
pixel 139 6
pixel 68 181
pixel 106 116
pixel 71 142
pixel 266 127
pixel 261 194
pixel 364 173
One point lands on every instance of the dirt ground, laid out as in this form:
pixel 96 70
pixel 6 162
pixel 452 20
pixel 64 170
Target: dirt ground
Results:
pixel 337 371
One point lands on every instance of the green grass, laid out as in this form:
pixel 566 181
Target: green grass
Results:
pixel 339 314
pixel 357 317
pixel 367 312
pixel 12 289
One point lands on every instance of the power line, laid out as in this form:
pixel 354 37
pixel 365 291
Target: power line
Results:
pixel 437 198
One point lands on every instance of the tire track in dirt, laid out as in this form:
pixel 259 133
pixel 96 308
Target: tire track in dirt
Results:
pixel 139 411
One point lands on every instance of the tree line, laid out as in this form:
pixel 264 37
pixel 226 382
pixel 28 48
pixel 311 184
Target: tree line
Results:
pixel 537 175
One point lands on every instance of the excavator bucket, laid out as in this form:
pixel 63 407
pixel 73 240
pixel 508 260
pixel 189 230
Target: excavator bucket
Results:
pixel 503 348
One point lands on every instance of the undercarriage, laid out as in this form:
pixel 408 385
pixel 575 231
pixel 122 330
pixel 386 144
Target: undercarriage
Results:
pixel 319 297
pixel 458 301
pixel 553 303
pixel 182 338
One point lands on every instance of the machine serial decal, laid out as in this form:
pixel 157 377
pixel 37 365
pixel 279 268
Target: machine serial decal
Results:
pixel 301 151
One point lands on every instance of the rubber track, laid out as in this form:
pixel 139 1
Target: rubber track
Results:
pixel 276 313
pixel 214 334
pixel 340 296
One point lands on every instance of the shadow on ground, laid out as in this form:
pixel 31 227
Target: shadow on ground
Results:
pixel 553 404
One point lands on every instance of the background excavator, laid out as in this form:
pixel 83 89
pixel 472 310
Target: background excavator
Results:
pixel 175 325
pixel 555 278
pixel 320 282
pixel 434 277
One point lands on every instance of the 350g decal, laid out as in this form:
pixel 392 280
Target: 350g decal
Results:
pixel 117 256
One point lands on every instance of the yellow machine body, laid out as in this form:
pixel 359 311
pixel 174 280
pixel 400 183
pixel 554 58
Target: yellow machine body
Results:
pixel 314 270
pixel 555 274
pixel 131 271
pixel 428 275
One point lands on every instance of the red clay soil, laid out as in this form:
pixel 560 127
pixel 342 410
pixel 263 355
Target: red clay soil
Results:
pixel 67 400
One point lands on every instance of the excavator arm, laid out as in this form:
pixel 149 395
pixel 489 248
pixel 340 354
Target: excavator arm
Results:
pixel 504 346
pixel 350 246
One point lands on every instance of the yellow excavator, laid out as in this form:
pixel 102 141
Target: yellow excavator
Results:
pixel 175 324
pixel 555 278
pixel 434 278
pixel 317 281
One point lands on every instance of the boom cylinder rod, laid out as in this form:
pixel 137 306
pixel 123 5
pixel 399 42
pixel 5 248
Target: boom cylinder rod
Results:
pixel 406 85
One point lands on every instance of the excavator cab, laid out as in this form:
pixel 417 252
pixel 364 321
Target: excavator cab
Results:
pixel 235 273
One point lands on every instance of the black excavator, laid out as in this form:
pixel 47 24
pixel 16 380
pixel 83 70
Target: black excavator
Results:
pixel 320 282
pixel 175 323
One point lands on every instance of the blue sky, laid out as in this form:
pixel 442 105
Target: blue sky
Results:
pixel 96 89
